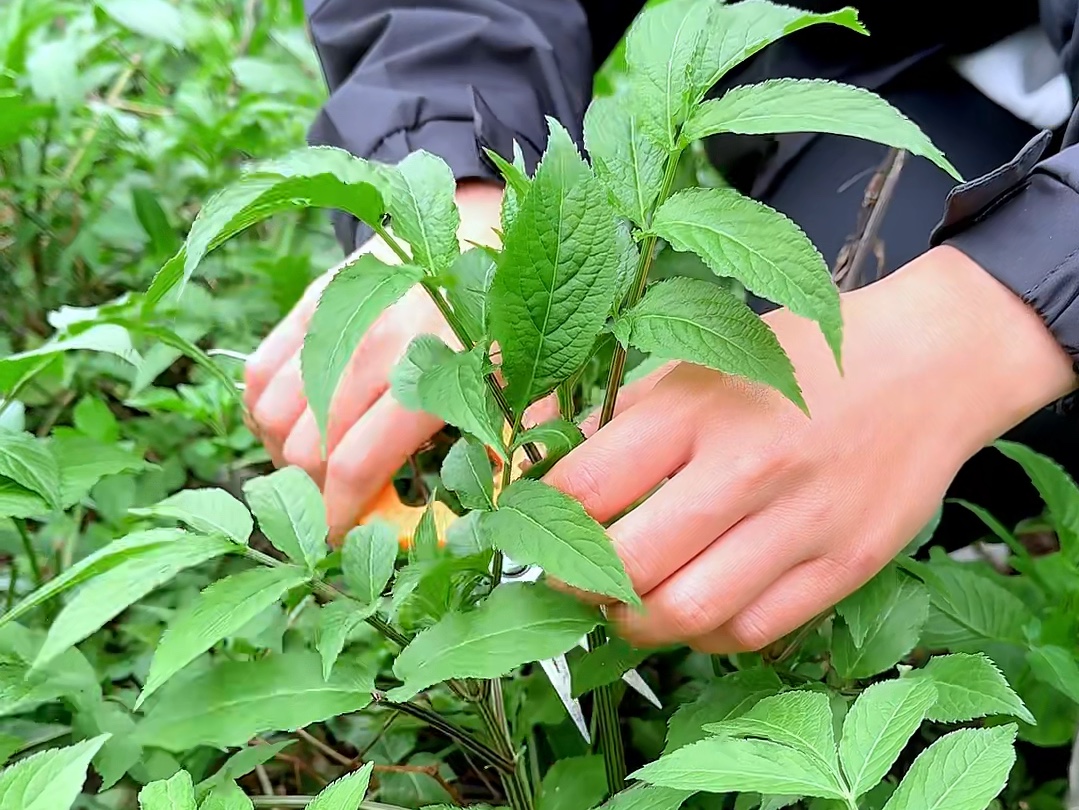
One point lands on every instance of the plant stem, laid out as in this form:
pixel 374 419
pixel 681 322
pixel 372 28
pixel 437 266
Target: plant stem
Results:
pixel 608 727
pixel 465 739
pixel 304 801
pixel 28 547
pixel 515 782
pixel 459 332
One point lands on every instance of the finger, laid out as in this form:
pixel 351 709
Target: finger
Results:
pixel 597 474
pixel 712 589
pixel 684 517
pixel 628 396
pixel 279 407
pixel 281 344
pixel 796 598
pixel 370 453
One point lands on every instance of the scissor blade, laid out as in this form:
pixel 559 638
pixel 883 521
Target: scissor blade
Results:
pixel 633 680
pixel 558 673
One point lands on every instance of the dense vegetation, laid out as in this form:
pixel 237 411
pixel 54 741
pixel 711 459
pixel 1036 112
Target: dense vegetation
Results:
pixel 177 635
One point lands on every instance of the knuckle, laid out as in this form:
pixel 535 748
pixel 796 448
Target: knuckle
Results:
pixel 257 375
pixel 274 422
pixel 691 617
pixel 586 485
pixel 750 631
pixel 304 455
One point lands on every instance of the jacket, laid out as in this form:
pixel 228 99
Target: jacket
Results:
pixel 457 76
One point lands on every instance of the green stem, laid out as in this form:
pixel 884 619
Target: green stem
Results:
pixel 493 711
pixel 460 333
pixel 13 574
pixel 608 727
pixel 28 547
pixel 463 738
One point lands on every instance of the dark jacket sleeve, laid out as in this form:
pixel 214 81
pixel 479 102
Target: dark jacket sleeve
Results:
pixel 1021 221
pixel 454 77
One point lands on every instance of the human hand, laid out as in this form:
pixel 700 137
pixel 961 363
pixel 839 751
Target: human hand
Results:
pixel 765 517
pixel 370 435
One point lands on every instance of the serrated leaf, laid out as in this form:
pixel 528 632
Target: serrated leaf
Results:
pixel 94 565
pixel 457 392
pixel 537 524
pixel 425 542
pixel 209 510
pixel 728 764
pixel 1056 667
pixel 628 164
pixel 466 471
pixel 175 793
pixel 464 538
pixel 647 797
pixel 572 783
pixel 558 274
pixel 902 605
pixel 466 283
pixel 558 438
pixel 154 19
pixel 878 726
pixel 28 462
pixel 963 770
pixel 320 176
pixel 346 793
pixel 699 322
pixel 106 338
pixel 743 239
pixel 291 513
pixel 110 593
pixel 799 719
pixel 604 665
pixel 221 609
pixel 50 780
pixel 350 304
pixel 336 622
pixel 227 796
pixel 728 697
pixel 812 105
pixel 970 687
pixel 86 461
pixel 231 703
pixel 423 209
pixel 367 560
pixel 1057 489
pixel 516 624
pixel 423 353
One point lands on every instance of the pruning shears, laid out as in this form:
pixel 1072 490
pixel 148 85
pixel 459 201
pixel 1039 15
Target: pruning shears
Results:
pixel 557 669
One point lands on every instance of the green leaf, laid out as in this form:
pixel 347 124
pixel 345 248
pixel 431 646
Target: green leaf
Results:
pixel 50 780
pixel 367 560
pixel 463 537
pixel 727 764
pixel 799 719
pixel 878 727
pixel 94 565
pixel 970 608
pixel 457 392
pixel 888 612
pixel 155 222
pixel 1057 489
pixel 926 534
pixel 558 274
pixel 423 209
pixel 231 703
pixel 336 622
pixel 154 19
pixel 700 322
pixel 346 793
pixel 995 526
pixel 28 462
pixel 630 165
pixel 220 610
pixel 240 764
pixel 291 514
pixel 209 511
pixel 320 176
pixel 729 696
pixel 963 770
pixel 604 665
pixel 228 796
pixel 177 793
pixel 539 525
pixel 120 753
pixel 93 417
pixel 110 593
pixel 812 105
pixel 743 239
pixel 424 546
pixel 106 338
pixel 87 461
pixel 647 797
pixel 558 438
pixel 1056 667
pixel 18 116
pixel 466 283
pixel 970 687
pixel 573 783
pixel 19 502
pixel 466 471
pixel 423 353
pixel 347 308
pixel 516 624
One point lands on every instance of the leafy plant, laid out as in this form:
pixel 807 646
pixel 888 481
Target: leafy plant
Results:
pixel 252 630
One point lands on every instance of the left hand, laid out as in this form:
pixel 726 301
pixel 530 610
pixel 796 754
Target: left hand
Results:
pixel 766 517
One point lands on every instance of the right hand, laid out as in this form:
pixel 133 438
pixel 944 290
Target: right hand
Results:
pixel 370 435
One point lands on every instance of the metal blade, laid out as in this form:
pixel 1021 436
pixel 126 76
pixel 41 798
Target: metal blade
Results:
pixel 558 673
